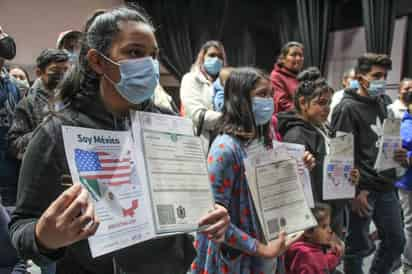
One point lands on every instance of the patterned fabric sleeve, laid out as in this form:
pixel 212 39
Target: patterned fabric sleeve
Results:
pixel 222 167
pixel 238 239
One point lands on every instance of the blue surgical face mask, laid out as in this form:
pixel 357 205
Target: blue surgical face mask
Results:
pixel 353 84
pixel 262 109
pixel 138 78
pixel 377 87
pixel 213 65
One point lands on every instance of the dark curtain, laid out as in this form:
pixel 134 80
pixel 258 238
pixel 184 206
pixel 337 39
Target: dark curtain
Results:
pixel 285 26
pixel 175 27
pixel 407 60
pixel 379 21
pixel 245 28
pixel 314 24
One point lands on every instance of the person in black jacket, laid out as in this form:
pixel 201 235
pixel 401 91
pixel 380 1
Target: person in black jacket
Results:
pixel 362 112
pixel 53 224
pixel 52 64
pixel 306 125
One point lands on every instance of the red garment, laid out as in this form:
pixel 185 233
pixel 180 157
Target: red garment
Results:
pixel 307 258
pixel 284 83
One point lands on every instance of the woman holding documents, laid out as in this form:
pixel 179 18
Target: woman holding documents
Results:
pixel 246 119
pixel 117 71
pixel 306 126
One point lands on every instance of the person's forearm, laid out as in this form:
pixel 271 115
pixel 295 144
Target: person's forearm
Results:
pixel 24 240
pixel 238 239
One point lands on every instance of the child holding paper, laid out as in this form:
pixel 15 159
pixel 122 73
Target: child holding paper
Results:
pixel 319 250
pixel 306 125
pixel 246 118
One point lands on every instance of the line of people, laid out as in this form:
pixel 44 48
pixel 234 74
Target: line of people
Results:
pixel 113 69
pixel 301 107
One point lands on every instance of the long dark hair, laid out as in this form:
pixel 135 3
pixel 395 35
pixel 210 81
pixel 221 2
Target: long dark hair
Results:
pixel 100 31
pixel 311 85
pixel 238 118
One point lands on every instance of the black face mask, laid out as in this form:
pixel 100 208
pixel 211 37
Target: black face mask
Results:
pixel 407 97
pixel 53 80
pixel 7 48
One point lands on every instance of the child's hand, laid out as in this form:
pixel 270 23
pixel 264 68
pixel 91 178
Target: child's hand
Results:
pixel 218 221
pixel 337 249
pixel 354 176
pixel 273 248
pixel 309 160
pixel 337 246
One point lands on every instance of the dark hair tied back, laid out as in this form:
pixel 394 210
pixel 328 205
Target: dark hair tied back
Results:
pixel 311 85
pixel 101 30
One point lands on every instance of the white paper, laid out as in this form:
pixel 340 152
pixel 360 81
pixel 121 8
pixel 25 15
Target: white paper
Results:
pixel 388 143
pixel 281 199
pixel 163 123
pixel 104 163
pixel 297 152
pixel 179 180
pixel 176 171
pixel 337 167
pixel 257 154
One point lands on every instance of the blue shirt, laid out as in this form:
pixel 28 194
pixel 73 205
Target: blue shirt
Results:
pixel 218 95
pixel 406 134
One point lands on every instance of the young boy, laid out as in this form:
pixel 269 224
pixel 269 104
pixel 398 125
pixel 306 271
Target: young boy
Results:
pixel 218 89
pixel 313 254
pixel 362 112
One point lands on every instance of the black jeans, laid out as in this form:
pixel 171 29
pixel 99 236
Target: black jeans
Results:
pixel 386 214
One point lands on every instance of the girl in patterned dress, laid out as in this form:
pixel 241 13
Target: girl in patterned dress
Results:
pixel 247 112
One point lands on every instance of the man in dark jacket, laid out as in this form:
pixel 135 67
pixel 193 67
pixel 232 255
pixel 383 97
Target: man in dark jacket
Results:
pixel 9 96
pixel 29 113
pixel 362 112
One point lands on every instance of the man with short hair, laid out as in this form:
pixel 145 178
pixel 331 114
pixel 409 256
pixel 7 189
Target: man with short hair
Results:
pixel 52 64
pixel 348 81
pixel 362 112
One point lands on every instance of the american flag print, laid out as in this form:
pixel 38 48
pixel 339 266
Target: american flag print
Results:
pixel 103 167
